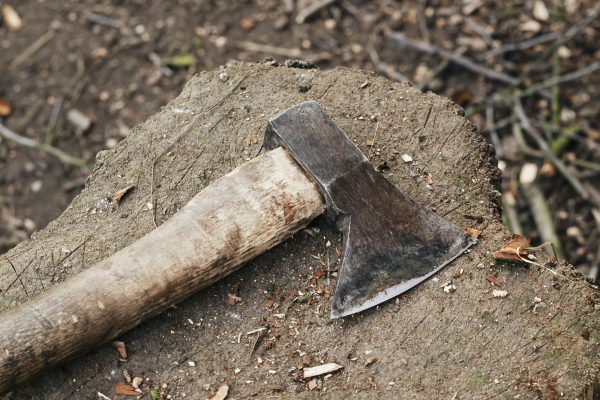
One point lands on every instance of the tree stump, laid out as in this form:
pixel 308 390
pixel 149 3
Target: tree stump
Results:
pixel 542 340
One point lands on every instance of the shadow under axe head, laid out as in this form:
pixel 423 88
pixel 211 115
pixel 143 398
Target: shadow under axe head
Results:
pixel 391 243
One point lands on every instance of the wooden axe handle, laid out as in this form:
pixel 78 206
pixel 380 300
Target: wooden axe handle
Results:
pixel 237 217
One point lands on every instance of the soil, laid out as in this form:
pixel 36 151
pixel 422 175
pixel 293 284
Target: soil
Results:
pixel 429 343
pixel 111 71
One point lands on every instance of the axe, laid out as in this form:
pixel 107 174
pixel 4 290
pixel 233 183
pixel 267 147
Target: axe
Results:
pixel 390 244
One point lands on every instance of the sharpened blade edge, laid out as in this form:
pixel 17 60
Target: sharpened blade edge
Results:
pixel 394 291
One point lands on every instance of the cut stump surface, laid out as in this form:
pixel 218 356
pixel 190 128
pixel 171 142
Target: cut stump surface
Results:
pixel 428 343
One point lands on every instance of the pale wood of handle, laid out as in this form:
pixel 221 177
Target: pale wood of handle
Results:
pixel 237 217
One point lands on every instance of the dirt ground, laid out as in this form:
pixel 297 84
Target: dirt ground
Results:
pixel 430 343
pixel 118 63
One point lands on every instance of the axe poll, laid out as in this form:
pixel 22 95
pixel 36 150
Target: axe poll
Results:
pixel 390 244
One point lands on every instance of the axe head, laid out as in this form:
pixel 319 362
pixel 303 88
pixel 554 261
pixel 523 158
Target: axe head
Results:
pixel 391 243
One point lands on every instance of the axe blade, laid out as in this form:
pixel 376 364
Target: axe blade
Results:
pixel 391 243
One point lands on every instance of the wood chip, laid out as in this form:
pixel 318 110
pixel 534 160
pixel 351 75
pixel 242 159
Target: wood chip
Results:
pixel 103 396
pixel 321 370
pixel 119 194
pixel 137 381
pixel 472 231
pixel 125 389
pixel 312 384
pixel 232 299
pixel 120 347
pixel 221 393
pixel 370 361
pixel 493 280
pixel 406 158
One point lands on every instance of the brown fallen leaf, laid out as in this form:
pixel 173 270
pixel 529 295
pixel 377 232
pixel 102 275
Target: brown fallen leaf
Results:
pixel 493 280
pixel 472 231
pixel 518 246
pixel 370 142
pixel 125 389
pixel 119 194
pixel 5 108
pixel 221 393
pixel 269 303
pixel 120 347
pixel 318 274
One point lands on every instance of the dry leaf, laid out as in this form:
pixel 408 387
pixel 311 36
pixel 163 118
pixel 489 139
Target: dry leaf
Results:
pixel 5 108
pixel 120 347
pixel 472 231
pixel 370 142
pixel 221 393
pixel 11 18
pixel 518 246
pixel 318 274
pixel 119 194
pixel 124 389
pixel 493 280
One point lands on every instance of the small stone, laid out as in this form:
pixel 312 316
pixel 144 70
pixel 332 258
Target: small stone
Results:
pixel 237 371
pixel 531 26
pixel 191 363
pixel 330 24
pixel 79 120
pixel 406 158
pixel 564 52
pixel 223 76
pixel 540 11
pixel 36 186
pixel 500 293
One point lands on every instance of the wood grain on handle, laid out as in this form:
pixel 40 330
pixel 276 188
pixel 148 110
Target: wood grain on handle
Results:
pixel 237 217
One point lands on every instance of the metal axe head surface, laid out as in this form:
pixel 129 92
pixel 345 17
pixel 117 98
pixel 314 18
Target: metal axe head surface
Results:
pixel 391 243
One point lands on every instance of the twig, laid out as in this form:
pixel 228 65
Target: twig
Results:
pixel 61 155
pixel 520 139
pixel 547 37
pixel 562 36
pixel 510 214
pixel 541 214
pixel 275 50
pixel 312 8
pixel 107 21
pixel 545 148
pixel 384 68
pixel 427 48
pixel 491 128
pixel 557 80
pixel 32 49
